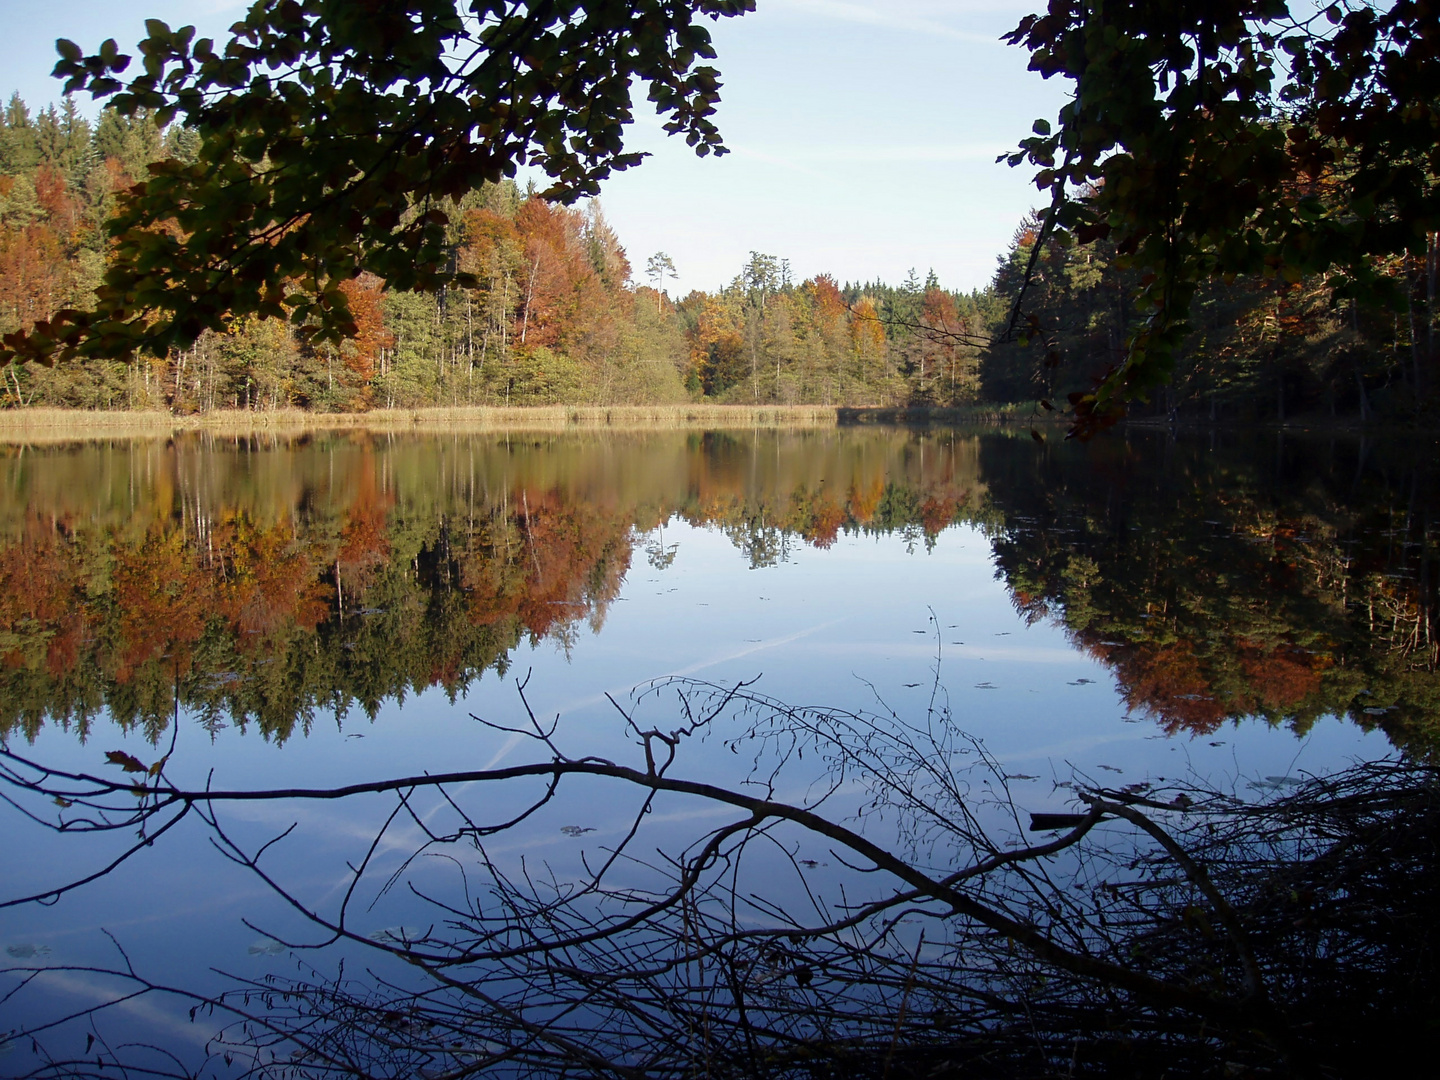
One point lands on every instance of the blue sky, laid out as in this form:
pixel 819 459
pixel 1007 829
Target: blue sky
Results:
pixel 864 134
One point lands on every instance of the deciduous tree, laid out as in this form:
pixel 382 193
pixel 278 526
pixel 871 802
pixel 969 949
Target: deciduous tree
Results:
pixel 1238 137
pixel 331 134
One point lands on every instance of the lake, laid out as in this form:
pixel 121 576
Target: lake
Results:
pixel 1231 611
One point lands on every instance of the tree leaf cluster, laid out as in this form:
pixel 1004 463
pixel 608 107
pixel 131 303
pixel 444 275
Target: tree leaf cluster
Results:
pixel 333 138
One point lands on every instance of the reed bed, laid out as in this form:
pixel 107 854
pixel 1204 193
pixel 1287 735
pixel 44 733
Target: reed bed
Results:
pixel 59 425
pixel 64 425
pixel 38 426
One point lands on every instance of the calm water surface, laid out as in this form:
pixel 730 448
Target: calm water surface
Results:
pixel 337 608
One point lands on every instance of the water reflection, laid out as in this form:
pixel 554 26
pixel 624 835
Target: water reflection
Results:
pixel 1220 583
pixel 264 580
pixel 872 889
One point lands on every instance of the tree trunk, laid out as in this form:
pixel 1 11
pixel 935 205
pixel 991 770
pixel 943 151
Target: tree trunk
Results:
pixel 1415 366
pixel 1432 270
pixel 1364 401
pixel 529 296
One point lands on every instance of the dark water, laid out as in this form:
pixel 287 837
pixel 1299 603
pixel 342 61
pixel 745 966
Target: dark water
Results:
pixel 1246 611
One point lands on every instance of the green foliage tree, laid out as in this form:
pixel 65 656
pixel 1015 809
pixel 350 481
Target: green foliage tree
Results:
pixel 657 268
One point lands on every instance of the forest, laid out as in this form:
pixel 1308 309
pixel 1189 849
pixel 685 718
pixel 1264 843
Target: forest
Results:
pixel 558 316
pixel 1258 346
pixel 563 315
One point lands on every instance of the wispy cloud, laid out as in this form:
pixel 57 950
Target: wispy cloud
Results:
pixel 927 18
pixel 105 994
pixel 861 155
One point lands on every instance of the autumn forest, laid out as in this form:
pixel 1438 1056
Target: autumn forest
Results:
pixel 563 314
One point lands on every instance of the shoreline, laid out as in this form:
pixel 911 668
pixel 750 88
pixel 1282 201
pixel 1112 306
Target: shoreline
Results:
pixel 37 426
pixel 64 425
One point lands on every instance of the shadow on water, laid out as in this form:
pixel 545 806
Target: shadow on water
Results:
pixel 867 899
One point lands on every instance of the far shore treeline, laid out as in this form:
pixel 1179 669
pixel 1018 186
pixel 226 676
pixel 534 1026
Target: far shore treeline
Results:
pixel 562 315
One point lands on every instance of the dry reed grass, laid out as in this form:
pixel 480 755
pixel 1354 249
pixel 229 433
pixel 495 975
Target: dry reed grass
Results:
pixel 66 425
pixel 36 426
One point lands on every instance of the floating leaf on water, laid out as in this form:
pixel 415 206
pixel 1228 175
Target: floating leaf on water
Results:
pixel 27 950
pixel 1110 768
pixel 403 936
pixel 911 685
pixel 575 830
pixel 1021 776
pixel 1081 682
pixel 266 947
pixel 985 686
pixel 1378 710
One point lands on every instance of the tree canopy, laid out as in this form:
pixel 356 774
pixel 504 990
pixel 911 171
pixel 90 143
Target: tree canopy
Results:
pixel 332 135
pixel 1233 137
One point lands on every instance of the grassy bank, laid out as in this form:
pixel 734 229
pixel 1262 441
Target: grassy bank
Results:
pixel 46 425
pixel 63 425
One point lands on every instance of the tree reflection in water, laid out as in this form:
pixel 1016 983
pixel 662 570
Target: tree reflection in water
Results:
pixel 1225 586
pixel 1216 586
pixel 1172 930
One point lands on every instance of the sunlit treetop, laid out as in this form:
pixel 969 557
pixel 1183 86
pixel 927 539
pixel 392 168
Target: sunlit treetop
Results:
pixel 1234 137
pixel 333 132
